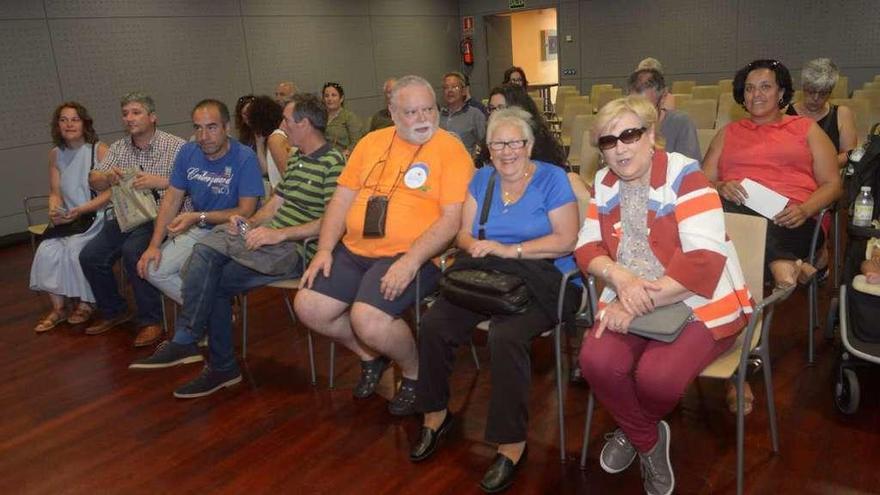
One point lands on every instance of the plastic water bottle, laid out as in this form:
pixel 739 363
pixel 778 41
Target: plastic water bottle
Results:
pixel 863 212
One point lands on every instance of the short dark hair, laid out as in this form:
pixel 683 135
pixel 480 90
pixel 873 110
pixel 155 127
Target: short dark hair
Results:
pixel 265 115
pixel 654 81
pixel 783 79
pixel 309 106
pixel 219 105
pixel 513 69
pixel 89 134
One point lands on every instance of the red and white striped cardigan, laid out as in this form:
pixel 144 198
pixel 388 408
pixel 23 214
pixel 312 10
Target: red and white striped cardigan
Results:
pixel 686 233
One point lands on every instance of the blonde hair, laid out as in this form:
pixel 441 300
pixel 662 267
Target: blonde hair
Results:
pixel 615 109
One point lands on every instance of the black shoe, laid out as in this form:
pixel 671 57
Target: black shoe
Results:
pixel 404 401
pixel 371 373
pixel 576 376
pixel 500 475
pixel 429 439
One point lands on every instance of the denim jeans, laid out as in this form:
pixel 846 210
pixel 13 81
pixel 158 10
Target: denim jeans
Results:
pixel 175 251
pixel 211 279
pixel 97 259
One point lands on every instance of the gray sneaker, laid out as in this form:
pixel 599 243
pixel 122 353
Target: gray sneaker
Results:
pixel 208 382
pixel 618 453
pixel 656 467
pixel 168 354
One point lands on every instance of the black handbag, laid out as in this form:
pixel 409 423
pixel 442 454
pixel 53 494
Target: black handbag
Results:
pixel 78 226
pixel 482 290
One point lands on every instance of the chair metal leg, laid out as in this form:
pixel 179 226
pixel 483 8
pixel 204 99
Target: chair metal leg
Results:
pixel 771 404
pixel 588 423
pixel 332 365
pixel 740 433
pixel 164 314
pixel 244 325
pixel 835 231
pixel 812 303
pixel 285 294
pixel 560 399
pixel 474 355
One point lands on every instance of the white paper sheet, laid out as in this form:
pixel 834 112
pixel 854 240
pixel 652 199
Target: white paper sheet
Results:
pixel 762 199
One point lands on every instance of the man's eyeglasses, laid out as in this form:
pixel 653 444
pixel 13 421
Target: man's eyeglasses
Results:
pixel 516 144
pixel 451 88
pixel 628 136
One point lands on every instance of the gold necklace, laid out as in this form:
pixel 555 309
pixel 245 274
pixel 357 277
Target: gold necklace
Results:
pixel 507 197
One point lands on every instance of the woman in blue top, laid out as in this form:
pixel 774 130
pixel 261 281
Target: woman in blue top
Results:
pixel 533 215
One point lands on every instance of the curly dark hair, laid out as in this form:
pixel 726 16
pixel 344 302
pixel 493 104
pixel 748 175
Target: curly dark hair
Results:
pixel 547 148
pixel 783 79
pixel 265 115
pixel 89 133
pixel 337 87
pixel 244 131
pixel 513 69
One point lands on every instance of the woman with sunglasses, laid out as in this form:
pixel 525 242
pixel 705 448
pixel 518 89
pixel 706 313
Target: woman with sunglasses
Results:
pixel 546 147
pixel 654 234
pixel 532 220
pixel 344 128
pixel 790 155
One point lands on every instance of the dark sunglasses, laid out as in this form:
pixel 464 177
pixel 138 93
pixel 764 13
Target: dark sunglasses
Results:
pixel 628 136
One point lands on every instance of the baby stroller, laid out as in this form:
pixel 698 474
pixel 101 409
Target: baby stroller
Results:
pixel 858 306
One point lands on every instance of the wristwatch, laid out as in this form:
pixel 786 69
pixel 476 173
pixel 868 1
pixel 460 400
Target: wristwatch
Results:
pixel 203 220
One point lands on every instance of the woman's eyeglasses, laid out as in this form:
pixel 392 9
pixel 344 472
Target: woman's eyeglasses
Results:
pixel 516 144
pixel 492 108
pixel 628 136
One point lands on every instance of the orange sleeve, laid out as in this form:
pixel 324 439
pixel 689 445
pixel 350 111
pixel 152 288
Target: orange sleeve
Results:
pixel 458 168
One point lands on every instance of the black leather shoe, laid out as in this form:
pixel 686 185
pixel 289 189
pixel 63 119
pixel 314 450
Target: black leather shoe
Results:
pixel 404 401
pixel 371 373
pixel 500 475
pixel 429 439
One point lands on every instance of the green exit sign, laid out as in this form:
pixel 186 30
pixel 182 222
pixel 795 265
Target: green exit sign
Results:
pixel 516 4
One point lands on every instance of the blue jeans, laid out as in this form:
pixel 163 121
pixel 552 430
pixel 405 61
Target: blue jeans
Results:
pixel 211 279
pixel 97 259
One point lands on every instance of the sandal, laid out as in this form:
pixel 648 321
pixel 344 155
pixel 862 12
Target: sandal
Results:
pixel 51 321
pixel 81 314
pixel 748 399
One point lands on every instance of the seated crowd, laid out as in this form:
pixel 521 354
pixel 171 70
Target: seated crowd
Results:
pixel 233 215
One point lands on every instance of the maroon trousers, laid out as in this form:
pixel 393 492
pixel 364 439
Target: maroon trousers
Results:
pixel 640 381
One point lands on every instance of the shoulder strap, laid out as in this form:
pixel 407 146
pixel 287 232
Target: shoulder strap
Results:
pixel 487 203
pixel 94 145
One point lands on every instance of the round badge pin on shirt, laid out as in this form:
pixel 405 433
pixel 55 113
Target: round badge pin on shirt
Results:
pixel 416 176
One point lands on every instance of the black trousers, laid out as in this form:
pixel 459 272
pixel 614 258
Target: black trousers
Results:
pixel 783 243
pixel 445 327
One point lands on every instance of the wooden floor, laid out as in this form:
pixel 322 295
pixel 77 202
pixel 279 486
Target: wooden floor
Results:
pixel 74 419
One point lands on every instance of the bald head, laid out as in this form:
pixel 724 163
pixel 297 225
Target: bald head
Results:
pixel 284 92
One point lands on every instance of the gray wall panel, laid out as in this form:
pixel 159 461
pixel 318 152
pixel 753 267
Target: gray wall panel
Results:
pixel 310 53
pixel 305 7
pixel 398 53
pixel 99 60
pixel 21 9
pixel 140 8
pixel 182 51
pixel 28 82
pixel 413 7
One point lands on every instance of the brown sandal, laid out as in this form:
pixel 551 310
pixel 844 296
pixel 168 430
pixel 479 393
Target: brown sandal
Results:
pixel 81 314
pixel 748 399
pixel 51 321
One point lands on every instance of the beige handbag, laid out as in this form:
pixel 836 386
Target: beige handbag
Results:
pixel 131 206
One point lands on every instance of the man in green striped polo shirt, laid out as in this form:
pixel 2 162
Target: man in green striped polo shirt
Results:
pixel 249 253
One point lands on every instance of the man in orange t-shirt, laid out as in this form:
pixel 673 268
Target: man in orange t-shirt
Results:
pixel 397 204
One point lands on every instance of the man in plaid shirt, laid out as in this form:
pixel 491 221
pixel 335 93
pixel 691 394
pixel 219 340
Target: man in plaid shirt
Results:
pixel 150 153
